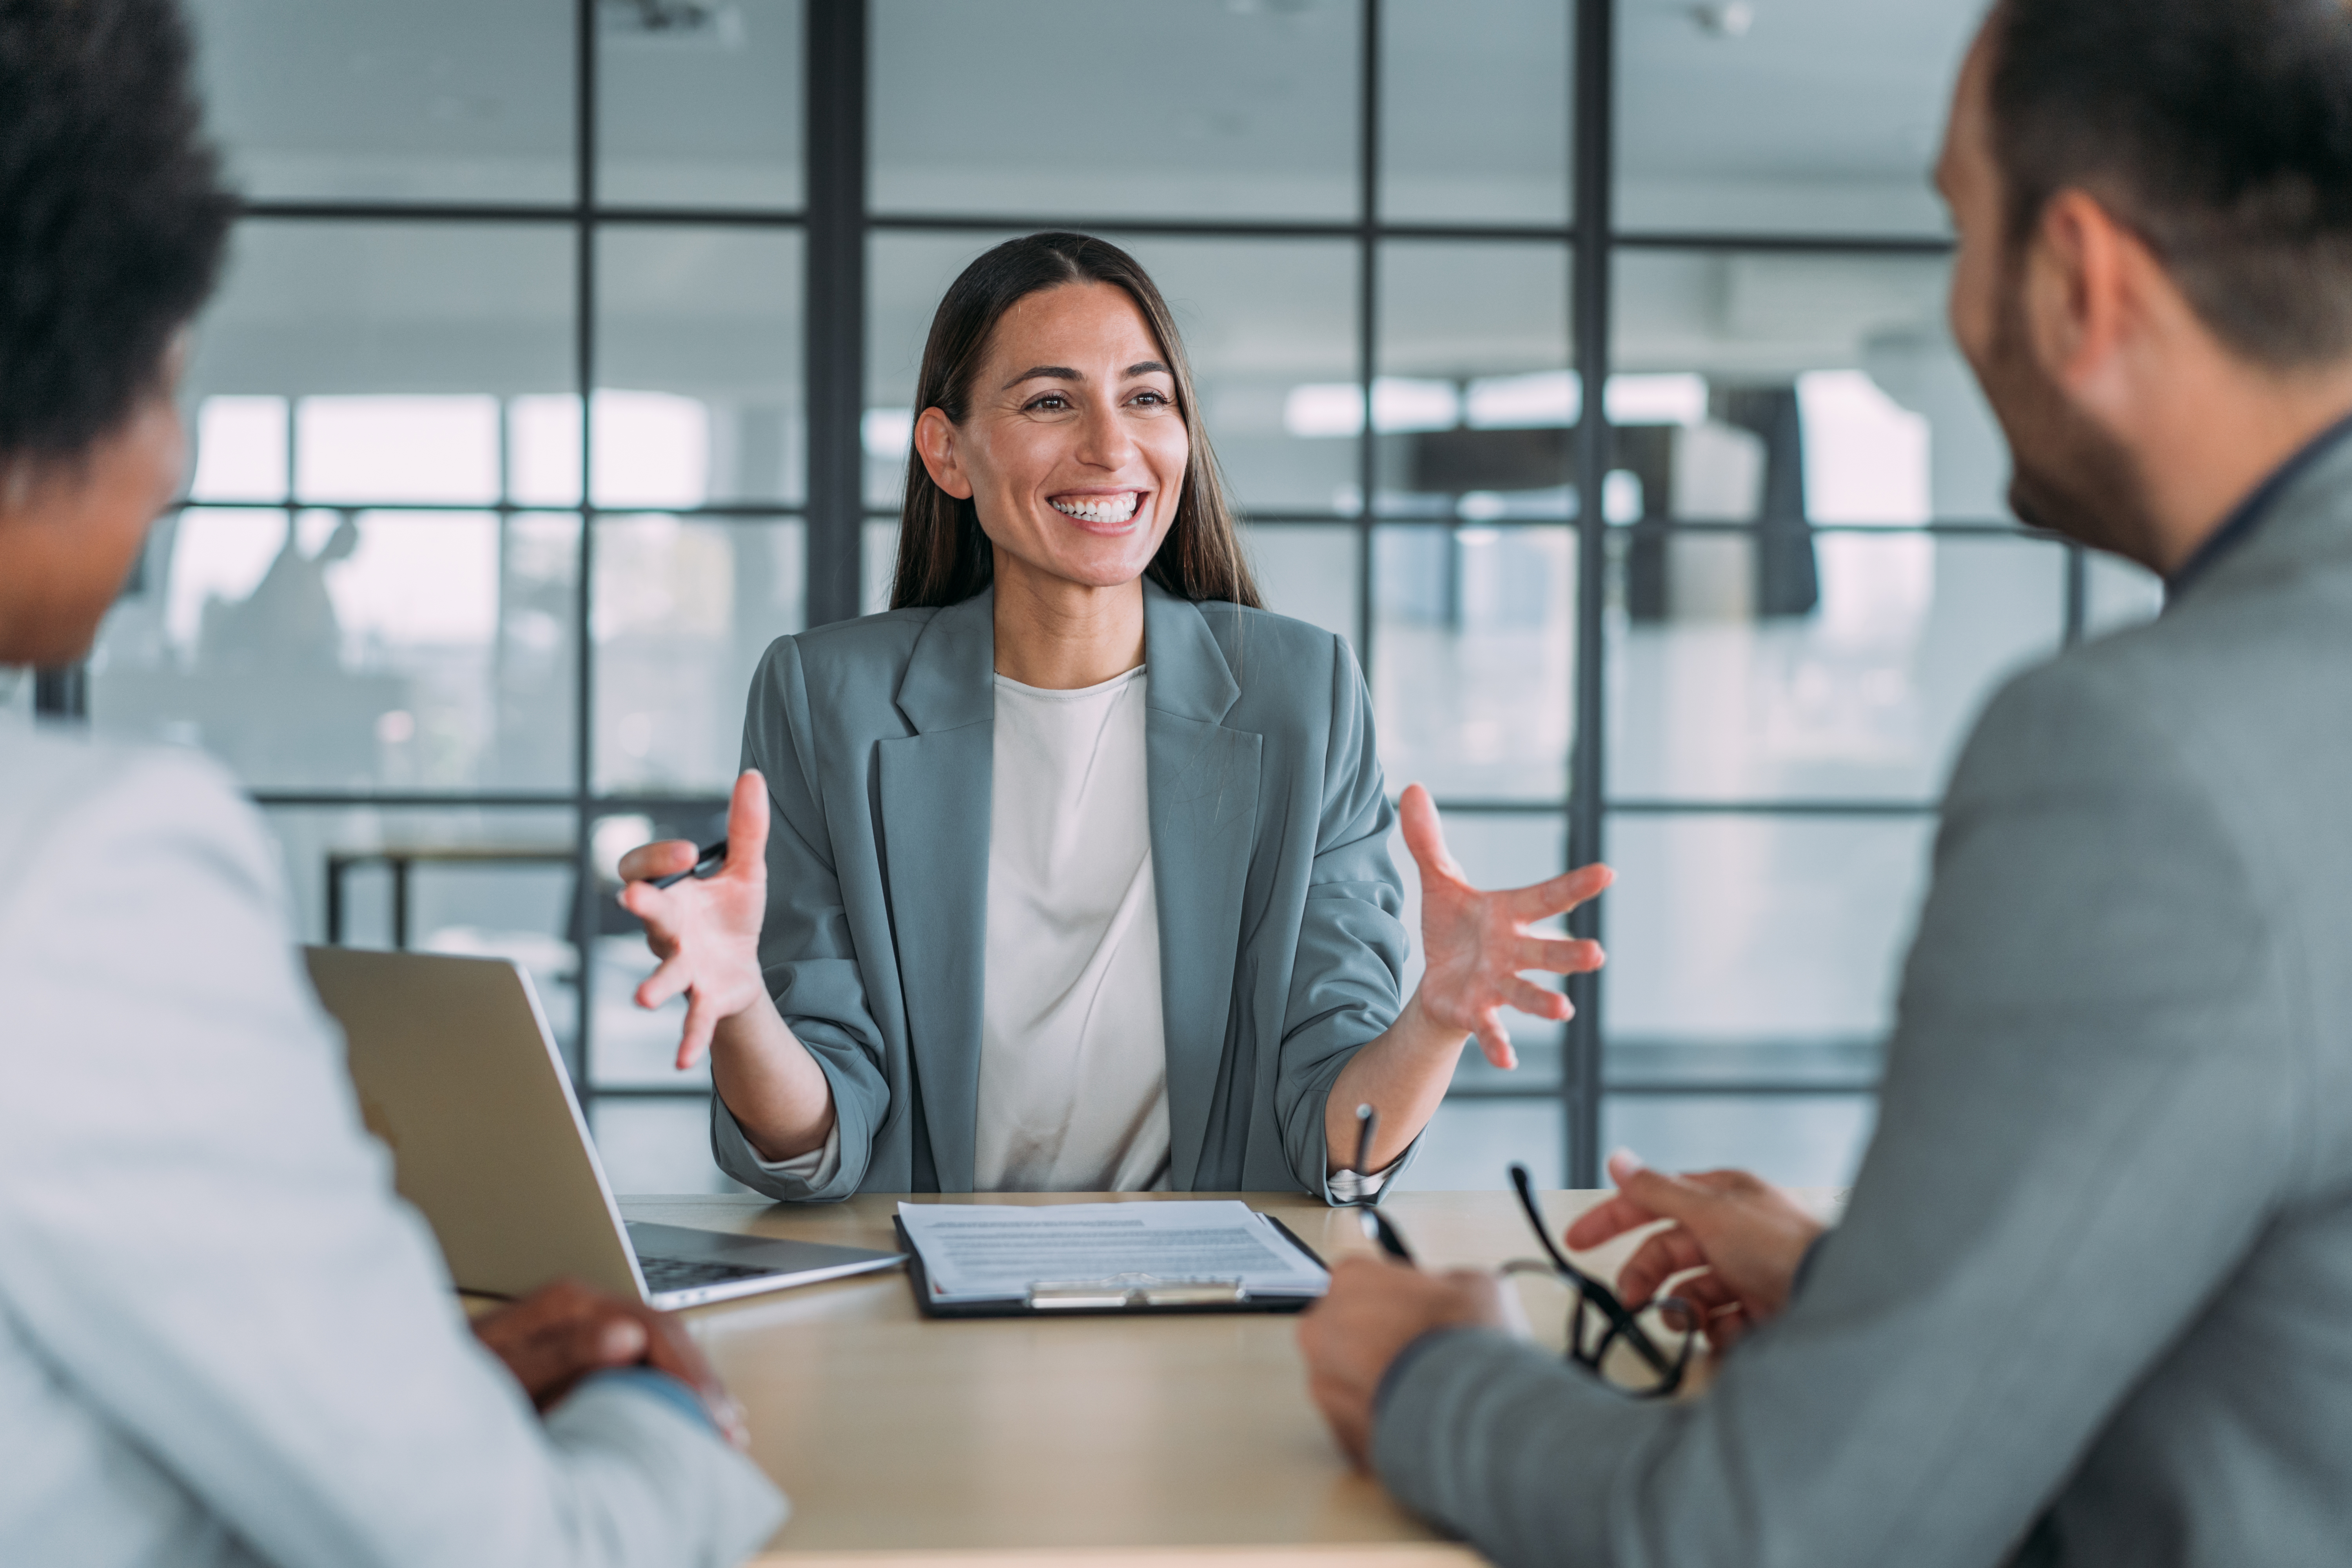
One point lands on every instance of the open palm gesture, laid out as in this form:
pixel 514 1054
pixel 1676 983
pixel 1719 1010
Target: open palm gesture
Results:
pixel 706 931
pixel 1477 946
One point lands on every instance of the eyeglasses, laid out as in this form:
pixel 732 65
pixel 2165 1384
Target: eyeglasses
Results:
pixel 1600 1323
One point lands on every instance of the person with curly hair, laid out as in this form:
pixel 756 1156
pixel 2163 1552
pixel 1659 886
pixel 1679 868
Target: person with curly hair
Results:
pixel 223 1339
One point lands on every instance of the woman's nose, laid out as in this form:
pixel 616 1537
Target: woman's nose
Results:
pixel 1103 439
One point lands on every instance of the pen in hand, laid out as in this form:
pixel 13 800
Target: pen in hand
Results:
pixel 1376 1223
pixel 706 864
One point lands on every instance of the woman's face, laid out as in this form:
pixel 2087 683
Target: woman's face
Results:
pixel 1072 449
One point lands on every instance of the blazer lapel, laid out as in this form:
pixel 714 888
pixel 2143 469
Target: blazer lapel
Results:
pixel 1203 809
pixel 933 790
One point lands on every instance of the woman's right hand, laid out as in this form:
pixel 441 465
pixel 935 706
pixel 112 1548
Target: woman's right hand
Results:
pixel 706 931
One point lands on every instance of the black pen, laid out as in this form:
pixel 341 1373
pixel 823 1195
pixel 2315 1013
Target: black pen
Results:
pixel 706 864
pixel 1376 1223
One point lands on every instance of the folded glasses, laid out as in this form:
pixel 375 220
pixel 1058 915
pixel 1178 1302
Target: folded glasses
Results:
pixel 1599 1323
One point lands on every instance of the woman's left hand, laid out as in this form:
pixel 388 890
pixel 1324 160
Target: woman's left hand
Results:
pixel 1477 945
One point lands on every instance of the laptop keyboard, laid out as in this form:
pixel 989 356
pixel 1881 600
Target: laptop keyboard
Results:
pixel 686 1274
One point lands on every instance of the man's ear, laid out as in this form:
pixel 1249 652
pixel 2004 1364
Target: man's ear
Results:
pixel 2086 277
pixel 935 443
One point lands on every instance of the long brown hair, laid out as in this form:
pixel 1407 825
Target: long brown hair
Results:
pixel 943 556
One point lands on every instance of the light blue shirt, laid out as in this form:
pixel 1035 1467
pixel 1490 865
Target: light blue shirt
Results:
pixel 223 1339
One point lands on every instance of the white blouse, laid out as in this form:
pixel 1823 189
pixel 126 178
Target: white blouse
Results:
pixel 1073 1056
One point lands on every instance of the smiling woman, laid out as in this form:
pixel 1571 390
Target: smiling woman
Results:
pixel 1082 881
pixel 1068 291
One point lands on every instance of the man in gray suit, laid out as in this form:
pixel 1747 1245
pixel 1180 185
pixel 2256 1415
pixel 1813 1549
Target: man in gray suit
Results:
pixel 2092 1298
pixel 223 1341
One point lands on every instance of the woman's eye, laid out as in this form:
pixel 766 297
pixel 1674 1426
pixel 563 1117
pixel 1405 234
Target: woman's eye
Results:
pixel 1052 403
pixel 1151 400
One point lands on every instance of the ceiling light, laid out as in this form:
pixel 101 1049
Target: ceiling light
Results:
pixel 1726 20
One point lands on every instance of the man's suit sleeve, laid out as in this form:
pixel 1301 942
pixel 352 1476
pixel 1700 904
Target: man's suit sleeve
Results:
pixel 2088 1115
pixel 807 952
pixel 204 1242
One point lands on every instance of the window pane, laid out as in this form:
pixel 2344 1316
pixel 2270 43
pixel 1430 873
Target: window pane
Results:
pixel 1781 392
pixel 428 99
pixel 1263 320
pixel 700 105
pixel 1474 99
pixel 1731 928
pixel 1817 118
pixel 1476 400
pixel 1471 1144
pixel 488 882
pixel 439 448
pixel 1868 695
pixel 700 365
pixel 1815 386
pixel 1796 1140
pixel 374 310
pixel 906 275
pixel 972 108
pixel 352 648
pixel 684 611
pixel 657 1146
pixel 1306 571
pixel 1473 646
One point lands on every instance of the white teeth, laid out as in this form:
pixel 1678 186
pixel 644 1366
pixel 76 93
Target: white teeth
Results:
pixel 1110 508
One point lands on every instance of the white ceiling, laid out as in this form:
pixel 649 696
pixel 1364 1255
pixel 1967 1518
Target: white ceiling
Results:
pixel 1823 111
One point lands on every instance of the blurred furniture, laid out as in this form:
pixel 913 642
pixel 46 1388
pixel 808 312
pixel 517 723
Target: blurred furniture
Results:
pixel 401 860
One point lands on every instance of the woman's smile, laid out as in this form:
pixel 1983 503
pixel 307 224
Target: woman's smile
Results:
pixel 1100 512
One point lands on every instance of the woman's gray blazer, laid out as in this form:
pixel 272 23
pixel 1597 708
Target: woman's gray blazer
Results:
pixel 1281 950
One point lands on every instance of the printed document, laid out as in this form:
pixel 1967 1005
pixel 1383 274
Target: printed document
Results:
pixel 992 1252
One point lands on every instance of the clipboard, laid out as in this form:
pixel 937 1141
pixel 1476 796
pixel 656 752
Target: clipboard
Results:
pixel 1123 1296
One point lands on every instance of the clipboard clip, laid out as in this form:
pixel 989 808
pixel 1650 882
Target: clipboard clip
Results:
pixel 1132 1290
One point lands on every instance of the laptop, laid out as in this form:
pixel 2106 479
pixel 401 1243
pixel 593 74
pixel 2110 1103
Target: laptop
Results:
pixel 458 1075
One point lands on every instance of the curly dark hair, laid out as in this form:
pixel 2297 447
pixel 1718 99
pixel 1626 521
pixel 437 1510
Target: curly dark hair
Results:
pixel 112 215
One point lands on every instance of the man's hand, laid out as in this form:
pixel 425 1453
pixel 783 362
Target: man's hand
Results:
pixel 561 1332
pixel 1744 1236
pixel 1373 1310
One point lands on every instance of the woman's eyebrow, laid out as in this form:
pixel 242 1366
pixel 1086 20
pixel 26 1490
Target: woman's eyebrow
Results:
pixel 1044 372
pixel 1063 372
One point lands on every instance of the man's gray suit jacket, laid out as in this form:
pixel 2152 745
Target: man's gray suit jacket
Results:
pixel 1281 949
pixel 2092 1300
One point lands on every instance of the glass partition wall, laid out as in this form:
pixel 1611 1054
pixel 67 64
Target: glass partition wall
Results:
pixel 1584 366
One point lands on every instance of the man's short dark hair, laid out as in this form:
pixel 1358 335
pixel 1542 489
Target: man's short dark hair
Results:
pixel 112 217
pixel 2219 129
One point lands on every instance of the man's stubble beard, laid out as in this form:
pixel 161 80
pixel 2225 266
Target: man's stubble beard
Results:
pixel 2069 475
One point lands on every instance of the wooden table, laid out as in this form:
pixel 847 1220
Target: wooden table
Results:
pixel 1077 1441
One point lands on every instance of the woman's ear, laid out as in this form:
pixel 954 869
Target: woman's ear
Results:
pixel 935 443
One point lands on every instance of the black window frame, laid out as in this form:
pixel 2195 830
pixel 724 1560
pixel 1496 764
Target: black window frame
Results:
pixel 835 224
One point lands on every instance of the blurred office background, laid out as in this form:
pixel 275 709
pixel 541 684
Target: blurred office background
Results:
pixel 1584 365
